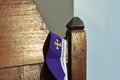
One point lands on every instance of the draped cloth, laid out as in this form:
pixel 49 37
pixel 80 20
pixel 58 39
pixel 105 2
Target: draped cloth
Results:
pixel 63 59
pixel 55 57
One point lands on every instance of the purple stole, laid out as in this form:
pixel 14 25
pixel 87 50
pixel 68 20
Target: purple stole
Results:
pixel 53 56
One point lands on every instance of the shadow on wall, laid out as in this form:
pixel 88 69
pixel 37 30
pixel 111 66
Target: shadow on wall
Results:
pixel 56 14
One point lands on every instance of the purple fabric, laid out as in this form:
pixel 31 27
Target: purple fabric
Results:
pixel 53 58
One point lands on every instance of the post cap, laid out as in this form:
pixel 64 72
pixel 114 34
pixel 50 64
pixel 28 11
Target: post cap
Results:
pixel 75 24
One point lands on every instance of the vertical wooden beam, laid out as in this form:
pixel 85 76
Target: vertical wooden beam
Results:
pixel 76 38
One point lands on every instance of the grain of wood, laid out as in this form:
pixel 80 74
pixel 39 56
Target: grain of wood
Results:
pixel 27 72
pixel 22 33
pixel 78 55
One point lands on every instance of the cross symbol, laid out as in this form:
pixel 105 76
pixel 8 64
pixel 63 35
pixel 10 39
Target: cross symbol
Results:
pixel 57 44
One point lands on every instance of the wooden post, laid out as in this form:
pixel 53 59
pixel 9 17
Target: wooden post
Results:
pixel 76 38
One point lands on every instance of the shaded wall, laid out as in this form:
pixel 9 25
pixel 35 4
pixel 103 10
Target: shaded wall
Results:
pixel 56 14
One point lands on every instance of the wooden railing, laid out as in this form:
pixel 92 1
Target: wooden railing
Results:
pixel 76 38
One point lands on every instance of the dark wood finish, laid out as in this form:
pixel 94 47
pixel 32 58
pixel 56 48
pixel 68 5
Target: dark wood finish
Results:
pixel 76 49
pixel 22 33
pixel 75 24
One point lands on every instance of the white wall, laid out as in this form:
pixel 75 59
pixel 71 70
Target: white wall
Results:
pixel 102 25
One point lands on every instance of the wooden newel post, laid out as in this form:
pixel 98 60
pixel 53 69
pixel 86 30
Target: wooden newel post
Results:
pixel 76 39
